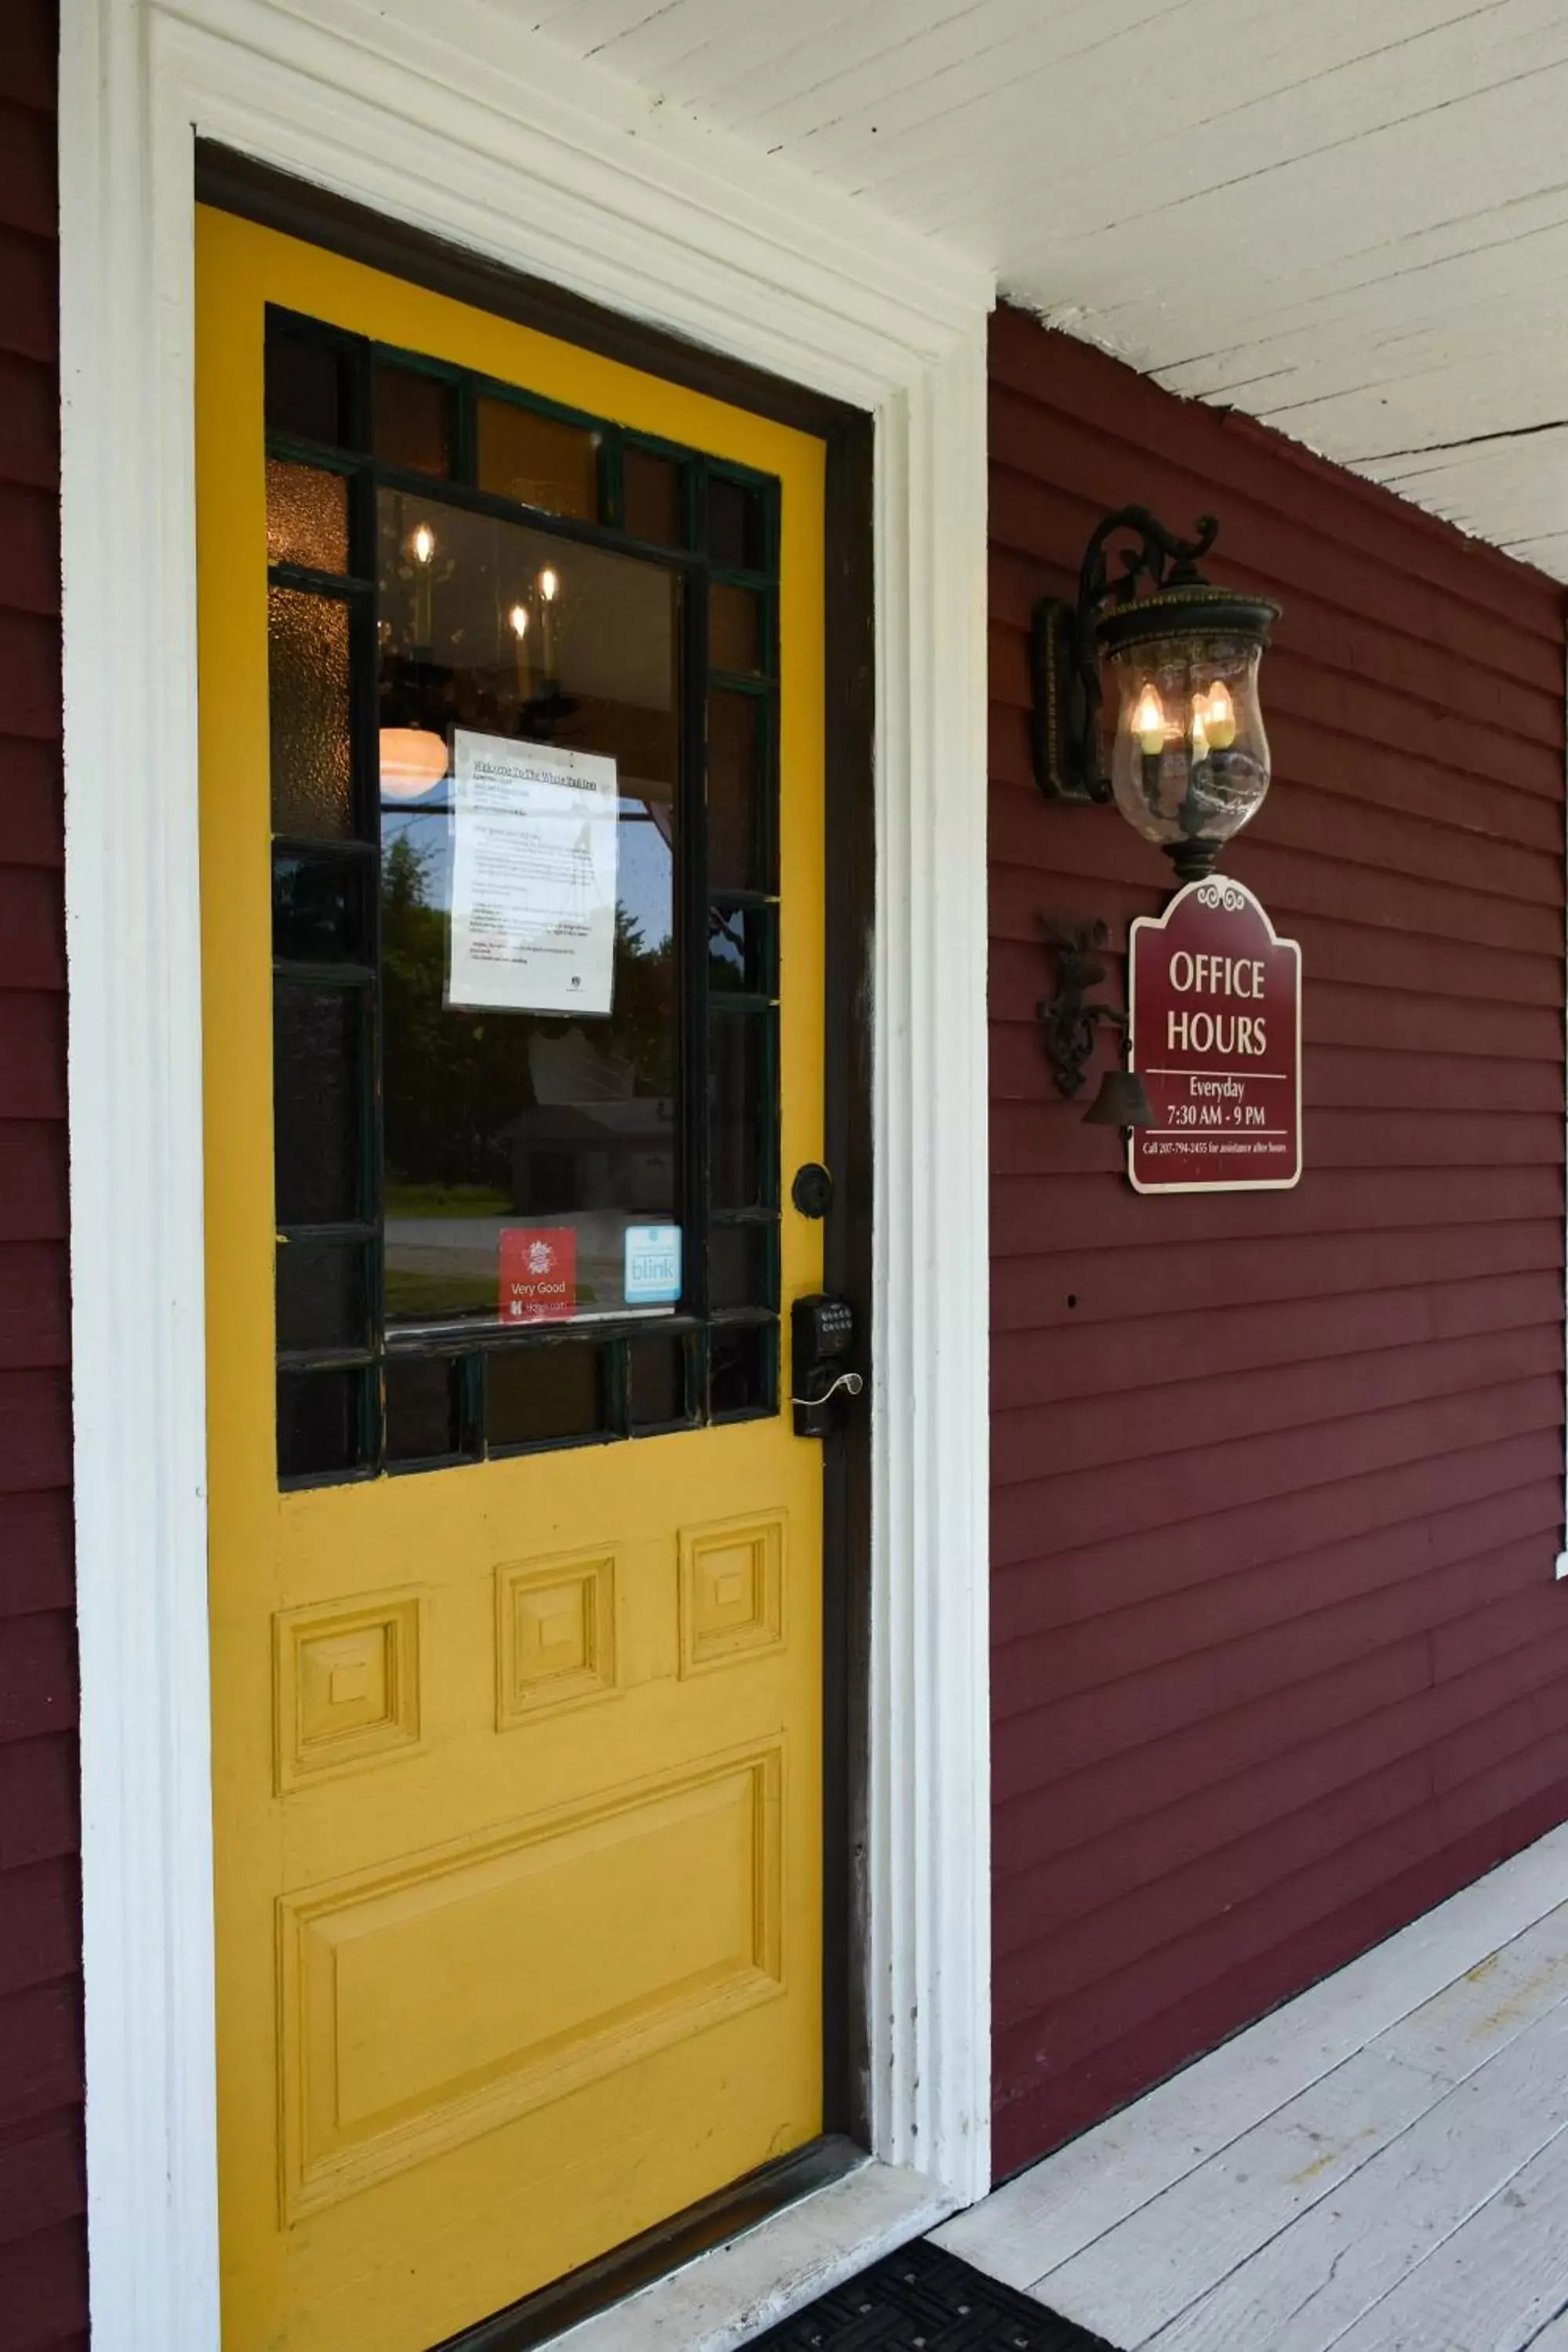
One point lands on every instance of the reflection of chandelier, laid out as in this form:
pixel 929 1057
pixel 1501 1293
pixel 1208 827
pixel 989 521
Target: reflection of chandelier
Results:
pixel 412 760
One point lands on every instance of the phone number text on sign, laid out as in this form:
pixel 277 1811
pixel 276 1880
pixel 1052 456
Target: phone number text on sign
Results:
pixel 1215 1013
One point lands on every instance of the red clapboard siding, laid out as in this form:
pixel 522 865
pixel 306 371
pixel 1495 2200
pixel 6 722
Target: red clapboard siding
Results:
pixel 43 2249
pixel 1278 1656
pixel 43 2291
pixel 41 2180
pixel 1073 2095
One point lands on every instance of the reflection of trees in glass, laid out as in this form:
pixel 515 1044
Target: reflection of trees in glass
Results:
pixel 454 1079
pixel 643 1023
pixel 430 1134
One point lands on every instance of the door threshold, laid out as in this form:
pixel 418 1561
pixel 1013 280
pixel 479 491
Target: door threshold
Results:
pixel 720 2272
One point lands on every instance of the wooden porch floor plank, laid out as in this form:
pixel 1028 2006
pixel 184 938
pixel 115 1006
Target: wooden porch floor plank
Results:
pixel 1493 2285
pixel 1302 2291
pixel 1184 2244
pixel 1040 2221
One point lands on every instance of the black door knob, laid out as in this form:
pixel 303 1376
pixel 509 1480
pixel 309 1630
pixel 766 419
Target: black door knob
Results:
pixel 811 1190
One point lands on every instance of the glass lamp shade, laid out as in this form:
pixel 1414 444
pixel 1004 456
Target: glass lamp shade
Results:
pixel 1190 762
pixel 412 760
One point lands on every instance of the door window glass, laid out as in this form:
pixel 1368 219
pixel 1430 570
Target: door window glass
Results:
pixel 523 694
pixel 510 1132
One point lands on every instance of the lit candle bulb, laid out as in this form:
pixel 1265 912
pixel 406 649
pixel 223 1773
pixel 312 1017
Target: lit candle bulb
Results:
pixel 421 547
pixel 517 621
pixel 1219 717
pixel 1200 732
pixel 549 589
pixel 1149 721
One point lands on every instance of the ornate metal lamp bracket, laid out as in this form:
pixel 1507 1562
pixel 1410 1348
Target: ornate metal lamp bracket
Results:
pixel 1065 657
pixel 1070 1022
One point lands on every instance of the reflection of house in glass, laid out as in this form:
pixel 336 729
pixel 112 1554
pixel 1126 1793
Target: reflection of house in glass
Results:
pixel 588 1151
pixel 588 1140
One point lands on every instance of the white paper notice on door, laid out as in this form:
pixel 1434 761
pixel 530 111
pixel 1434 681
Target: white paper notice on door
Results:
pixel 533 877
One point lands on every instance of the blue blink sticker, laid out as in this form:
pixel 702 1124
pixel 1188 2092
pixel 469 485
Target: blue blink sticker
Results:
pixel 653 1265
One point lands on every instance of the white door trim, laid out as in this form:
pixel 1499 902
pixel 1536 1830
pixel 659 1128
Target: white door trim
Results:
pixel 443 114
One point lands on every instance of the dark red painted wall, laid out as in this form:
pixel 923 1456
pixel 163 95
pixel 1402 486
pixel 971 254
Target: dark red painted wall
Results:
pixel 1278 1656
pixel 43 2266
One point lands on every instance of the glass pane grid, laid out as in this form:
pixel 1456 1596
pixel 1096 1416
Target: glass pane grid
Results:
pixel 299 450
pixel 442 1390
pixel 334 587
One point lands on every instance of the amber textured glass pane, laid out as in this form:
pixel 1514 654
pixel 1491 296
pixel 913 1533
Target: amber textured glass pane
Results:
pixel 413 419
pixel 544 1394
pixel 653 500
pixel 538 460
pixel 308 700
pixel 307 517
pixel 734 629
pixel 317 1045
pixel 734 755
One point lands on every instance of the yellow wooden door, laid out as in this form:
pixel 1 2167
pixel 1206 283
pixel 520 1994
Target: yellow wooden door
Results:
pixel 515 1560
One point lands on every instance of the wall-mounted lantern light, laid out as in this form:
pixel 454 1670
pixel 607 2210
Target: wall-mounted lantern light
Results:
pixel 1189 765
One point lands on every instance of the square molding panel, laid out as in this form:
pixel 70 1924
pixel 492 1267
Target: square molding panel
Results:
pixel 345 1686
pixel 731 1593
pixel 555 1634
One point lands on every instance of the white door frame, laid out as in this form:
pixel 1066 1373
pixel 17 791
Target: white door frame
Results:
pixel 445 115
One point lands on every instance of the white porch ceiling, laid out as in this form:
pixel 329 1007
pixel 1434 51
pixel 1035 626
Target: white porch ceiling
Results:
pixel 1349 218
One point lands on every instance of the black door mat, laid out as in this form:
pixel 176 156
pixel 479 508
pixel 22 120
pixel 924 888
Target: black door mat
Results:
pixel 923 2300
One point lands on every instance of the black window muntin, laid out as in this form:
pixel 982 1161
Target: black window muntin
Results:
pixel 333 1416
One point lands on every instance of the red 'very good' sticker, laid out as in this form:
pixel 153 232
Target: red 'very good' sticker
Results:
pixel 538 1272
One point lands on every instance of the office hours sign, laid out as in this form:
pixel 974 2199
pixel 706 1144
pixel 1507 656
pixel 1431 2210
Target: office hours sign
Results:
pixel 1214 1016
